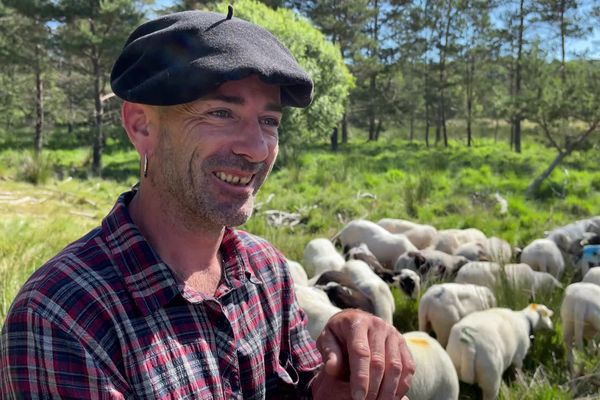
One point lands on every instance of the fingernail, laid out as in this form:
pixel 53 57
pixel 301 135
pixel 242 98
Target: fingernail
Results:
pixel 358 395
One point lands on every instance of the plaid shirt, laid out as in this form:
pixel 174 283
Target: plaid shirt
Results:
pixel 106 319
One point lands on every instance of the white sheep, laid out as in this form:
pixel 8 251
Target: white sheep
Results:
pixel 484 344
pixel 592 276
pixel 443 305
pixel 373 286
pixel 321 255
pixel 396 225
pixel 489 249
pixel 435 377
pixel 580 313
pixel 317 307
pixel 483 273
pixel 387 247
pixel 297 272
pixel 422 236
pixel 522 277
pixel 449 240
pixel 544 255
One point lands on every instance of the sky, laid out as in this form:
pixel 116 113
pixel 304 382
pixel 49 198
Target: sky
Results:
pixel 590 45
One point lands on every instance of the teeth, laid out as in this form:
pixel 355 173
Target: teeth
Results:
pixel 234 180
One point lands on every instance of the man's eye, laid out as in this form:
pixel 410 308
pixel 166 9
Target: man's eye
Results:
pixel 271 122
pixel 221 113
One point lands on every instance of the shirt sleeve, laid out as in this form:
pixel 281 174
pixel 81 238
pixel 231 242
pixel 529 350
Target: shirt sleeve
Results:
pixel 39 359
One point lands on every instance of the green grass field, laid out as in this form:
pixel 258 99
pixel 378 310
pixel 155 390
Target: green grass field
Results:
pixel 447 188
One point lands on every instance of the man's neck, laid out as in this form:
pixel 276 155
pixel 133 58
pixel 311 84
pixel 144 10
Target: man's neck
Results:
pixel 193 256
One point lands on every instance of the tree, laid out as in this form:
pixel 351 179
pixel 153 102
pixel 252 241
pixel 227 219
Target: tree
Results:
pixel 29 41
pixel 90 39
pixel 344 23
pixel 476 51
pixel 564 16
pixel 576 100
pixel 320 58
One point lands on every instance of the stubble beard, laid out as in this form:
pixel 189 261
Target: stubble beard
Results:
pixel 192 196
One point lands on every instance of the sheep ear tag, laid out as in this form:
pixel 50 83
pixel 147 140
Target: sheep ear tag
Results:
pixel 534 307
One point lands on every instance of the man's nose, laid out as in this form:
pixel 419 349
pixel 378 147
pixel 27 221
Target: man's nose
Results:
pixel 253 142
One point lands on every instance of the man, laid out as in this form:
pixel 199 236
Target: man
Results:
pixel 166 300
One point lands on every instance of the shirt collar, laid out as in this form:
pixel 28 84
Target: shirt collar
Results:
pixel 148 279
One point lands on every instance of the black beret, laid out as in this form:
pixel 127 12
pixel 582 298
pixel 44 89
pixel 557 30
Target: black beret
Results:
pixel 183 56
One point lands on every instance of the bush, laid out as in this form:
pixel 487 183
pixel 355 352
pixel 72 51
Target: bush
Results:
pixel 35 169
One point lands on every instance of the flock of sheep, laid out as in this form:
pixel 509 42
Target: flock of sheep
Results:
pixel 462 334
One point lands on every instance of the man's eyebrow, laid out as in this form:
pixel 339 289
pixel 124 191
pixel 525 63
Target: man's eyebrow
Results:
pixel 240 101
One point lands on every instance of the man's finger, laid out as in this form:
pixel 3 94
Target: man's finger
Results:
pixel 393 370
pixel 377 346
pixel 333 357
pixel 408 366
pixel 359 360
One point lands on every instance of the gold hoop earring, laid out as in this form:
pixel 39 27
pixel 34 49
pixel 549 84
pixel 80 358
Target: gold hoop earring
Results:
pixel 145 165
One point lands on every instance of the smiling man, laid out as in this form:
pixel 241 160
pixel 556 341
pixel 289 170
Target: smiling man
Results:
pixel 166 299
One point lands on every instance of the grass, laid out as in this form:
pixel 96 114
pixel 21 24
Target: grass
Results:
pixel 451 187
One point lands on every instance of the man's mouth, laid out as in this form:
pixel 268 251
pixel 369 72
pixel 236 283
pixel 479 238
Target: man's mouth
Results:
pixel 233 179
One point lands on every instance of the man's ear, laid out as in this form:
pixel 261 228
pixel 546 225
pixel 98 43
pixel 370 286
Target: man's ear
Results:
pixel 141 124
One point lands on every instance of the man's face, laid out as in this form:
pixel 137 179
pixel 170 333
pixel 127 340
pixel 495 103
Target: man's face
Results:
pixel 216 152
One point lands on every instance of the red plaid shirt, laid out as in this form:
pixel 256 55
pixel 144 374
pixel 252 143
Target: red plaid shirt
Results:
pixel 106 319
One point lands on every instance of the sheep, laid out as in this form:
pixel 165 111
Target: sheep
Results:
pixel 362 252
pixel 489 249
pixel 443 305
pixel 317 307
pixel 298 273
pixel 387 247
pixel 448 240
pixel 485 343
pixel 580 313
pixel 523 277
pixel 429 261
pixel 483 273
pixel 321 255
pixel 373 286
pixel 343 292
pixel 409 282
pixel 592 276
pixel 518 276
pixel 544 255
pixel 568 238
pixel 396 225
pixel 590 257
pixel 422 236
pixel 435 377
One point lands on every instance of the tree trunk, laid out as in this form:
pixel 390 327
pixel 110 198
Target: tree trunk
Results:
pixel 39 105
pixel 345 128
pixel 563 34
pixel 537 182
pixel 518 117
pixel 411 125
pixel 98 147
pixel 334 139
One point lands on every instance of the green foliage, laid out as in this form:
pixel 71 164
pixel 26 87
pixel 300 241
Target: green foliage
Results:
pixel 321 59
pixel 35 169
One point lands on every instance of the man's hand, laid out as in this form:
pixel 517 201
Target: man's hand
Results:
pixel 364 357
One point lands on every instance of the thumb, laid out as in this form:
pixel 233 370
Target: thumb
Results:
pixel 332 355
